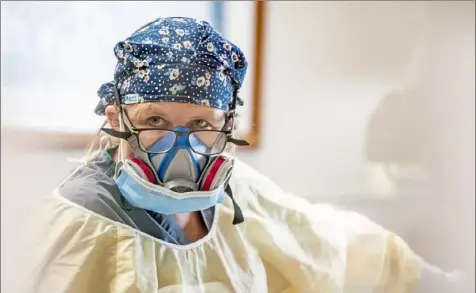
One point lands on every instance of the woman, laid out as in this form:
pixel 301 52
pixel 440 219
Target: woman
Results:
pixel 169 208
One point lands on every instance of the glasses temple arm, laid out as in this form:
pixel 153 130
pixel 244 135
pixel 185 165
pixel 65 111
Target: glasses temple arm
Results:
pixel 238 142
pixel 117 134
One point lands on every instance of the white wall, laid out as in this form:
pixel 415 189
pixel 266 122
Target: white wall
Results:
pixel 327 67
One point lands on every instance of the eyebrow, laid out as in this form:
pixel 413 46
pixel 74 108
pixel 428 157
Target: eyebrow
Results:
pixel 215 116
pixel 146 110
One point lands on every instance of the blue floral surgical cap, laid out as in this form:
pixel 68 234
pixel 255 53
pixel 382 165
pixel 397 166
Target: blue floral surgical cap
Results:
pixel 176 60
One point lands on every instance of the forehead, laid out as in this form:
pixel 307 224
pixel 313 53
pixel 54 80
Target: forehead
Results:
pixel 173 110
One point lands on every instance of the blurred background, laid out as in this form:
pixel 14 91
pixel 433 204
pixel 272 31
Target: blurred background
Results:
pixel 366 105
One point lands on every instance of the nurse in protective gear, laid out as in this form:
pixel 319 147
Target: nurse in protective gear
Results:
pixel 164 205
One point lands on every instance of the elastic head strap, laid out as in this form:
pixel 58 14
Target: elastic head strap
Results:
pixel 237 213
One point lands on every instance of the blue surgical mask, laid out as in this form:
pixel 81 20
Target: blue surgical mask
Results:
pixel 142 194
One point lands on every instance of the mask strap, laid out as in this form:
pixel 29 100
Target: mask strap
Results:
pixel 237 213
pixel 121 143
pixel 125 127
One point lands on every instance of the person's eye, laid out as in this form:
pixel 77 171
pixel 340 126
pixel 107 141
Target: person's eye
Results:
pixel 157 122
pixel 200 124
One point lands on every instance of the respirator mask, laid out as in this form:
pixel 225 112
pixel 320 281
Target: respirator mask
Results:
pixel 178 170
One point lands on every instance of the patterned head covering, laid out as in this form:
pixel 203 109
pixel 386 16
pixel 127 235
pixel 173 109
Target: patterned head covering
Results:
pixel 176 60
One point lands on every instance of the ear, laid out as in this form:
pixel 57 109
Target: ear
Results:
pixel 112 117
